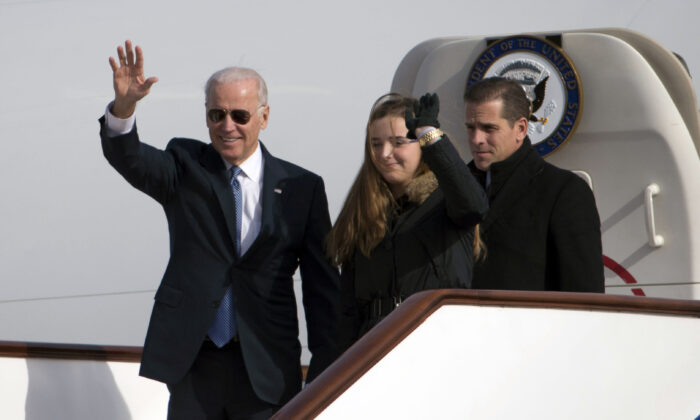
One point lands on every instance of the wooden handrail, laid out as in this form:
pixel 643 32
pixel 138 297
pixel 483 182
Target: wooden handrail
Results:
pixel 62 351
pixel 70 351
pixel 379 341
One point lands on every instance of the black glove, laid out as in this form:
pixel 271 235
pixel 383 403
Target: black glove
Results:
pixel 426 113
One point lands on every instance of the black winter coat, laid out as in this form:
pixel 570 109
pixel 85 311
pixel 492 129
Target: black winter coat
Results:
pixel 428 244
pixel 542 231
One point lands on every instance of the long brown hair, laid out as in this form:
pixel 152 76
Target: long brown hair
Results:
pixel 362 222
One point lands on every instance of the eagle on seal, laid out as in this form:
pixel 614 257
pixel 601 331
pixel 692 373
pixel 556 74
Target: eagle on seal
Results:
pixel 538 100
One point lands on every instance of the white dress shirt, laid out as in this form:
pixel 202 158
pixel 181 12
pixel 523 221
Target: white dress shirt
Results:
pixel 250 178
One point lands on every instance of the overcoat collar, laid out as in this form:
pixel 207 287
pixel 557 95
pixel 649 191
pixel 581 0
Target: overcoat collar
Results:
pixel 510 180
pixel 421 187
pixel 420 190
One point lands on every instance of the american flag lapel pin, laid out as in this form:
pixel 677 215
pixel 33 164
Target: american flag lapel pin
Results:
pixel 278 190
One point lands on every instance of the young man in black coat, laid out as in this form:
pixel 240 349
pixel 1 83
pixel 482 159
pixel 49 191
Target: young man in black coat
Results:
pixel 542 231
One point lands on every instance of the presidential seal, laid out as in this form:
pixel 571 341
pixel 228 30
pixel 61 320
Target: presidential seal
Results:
pixel 549 78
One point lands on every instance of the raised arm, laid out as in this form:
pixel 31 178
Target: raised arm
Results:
pixel 130 82
pixel 465 200
pixel 151 170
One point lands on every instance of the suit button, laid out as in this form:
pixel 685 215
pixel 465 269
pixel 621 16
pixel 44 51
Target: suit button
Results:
pixel 215 304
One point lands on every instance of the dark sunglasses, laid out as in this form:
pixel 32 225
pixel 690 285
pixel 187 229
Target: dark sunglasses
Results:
pixel 239 116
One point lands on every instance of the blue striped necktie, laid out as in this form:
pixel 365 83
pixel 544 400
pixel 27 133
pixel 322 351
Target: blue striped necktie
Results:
pixel 224 326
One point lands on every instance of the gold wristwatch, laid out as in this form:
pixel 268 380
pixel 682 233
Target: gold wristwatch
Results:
pixel 429 137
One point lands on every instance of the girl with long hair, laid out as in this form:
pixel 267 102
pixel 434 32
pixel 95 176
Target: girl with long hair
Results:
pixel 409 222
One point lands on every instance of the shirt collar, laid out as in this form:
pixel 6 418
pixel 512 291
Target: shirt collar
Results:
pixel 251 167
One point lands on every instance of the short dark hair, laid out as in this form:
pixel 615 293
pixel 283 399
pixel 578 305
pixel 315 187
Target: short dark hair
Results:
pixel 516 105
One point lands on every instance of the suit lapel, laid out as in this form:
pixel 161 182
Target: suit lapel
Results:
pixel 212 162
pixel 274 176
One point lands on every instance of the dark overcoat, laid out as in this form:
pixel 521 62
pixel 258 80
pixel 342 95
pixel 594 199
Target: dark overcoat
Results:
pixel 428 244
pixel 542 231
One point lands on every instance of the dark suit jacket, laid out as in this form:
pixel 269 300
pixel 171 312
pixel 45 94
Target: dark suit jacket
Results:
pixel 542 231
pixel 189 180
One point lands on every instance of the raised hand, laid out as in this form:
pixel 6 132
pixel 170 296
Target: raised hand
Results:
pixel 425 114
pixel 130 83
